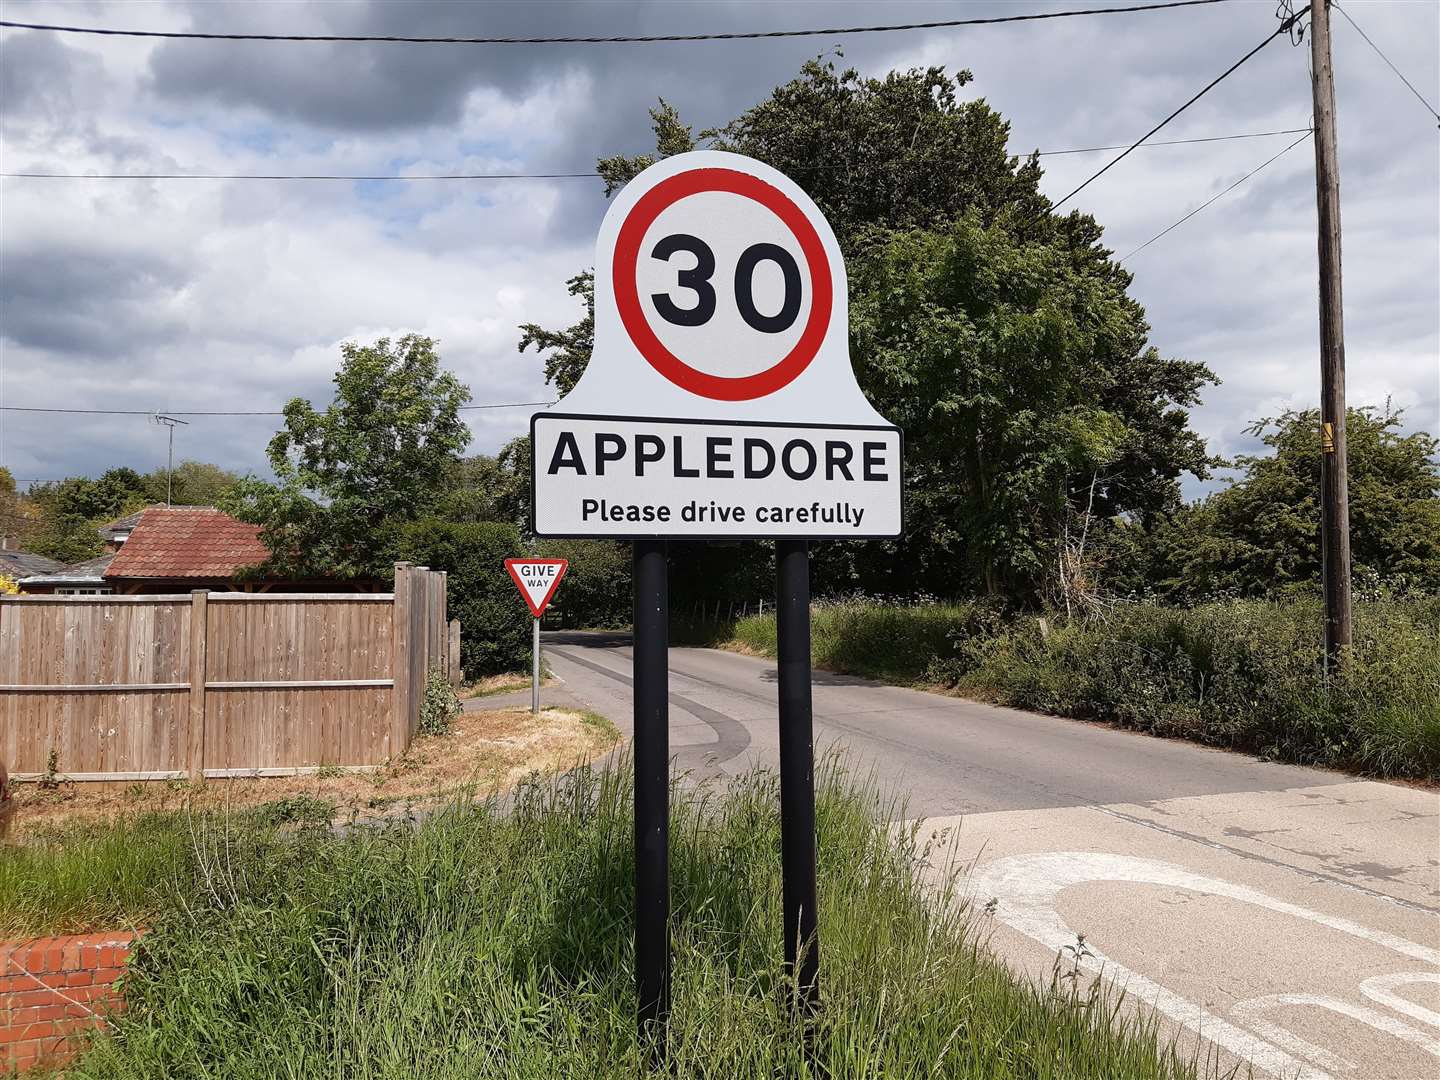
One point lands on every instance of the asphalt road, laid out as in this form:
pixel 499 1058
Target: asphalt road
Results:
pixel 1290 915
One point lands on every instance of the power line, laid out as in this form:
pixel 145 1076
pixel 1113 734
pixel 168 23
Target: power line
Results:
pixel 1387 60
pixel 1283 28
pixel 233 412
pixel 530 176
pixel 645 39
pixel 1159 142
pixel 298 176
pixel 1215 198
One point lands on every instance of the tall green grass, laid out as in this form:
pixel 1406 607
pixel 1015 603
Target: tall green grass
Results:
pixel 98 876
pixel 498 944
pixel 1243 674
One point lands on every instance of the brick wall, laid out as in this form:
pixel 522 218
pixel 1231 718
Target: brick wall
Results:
pixel 53 991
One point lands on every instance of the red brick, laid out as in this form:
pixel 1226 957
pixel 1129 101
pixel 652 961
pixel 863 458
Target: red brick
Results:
pixel 41 1030
pixel 23 1055
pixel 91 993
pixel 79 978
pixel 22 1017
pixel 27 998
pixel 111 955
pixel 108 975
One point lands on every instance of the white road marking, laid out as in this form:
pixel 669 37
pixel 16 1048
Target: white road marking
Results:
pixel 1028 887
pixel 1251 1012
pixel 1379 988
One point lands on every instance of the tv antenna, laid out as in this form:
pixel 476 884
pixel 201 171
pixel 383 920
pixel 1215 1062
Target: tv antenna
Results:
pixel 161 420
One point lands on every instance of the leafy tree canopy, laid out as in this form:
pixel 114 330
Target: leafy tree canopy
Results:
pixel 192 483
pixel 1261 534
pixel 380 455
pixel 998 334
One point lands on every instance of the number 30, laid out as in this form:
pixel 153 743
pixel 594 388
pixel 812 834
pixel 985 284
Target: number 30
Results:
pixel 697 280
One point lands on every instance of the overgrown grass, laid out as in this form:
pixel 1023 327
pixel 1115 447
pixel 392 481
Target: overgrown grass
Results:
pixel 1241 674
pixel 487 944
pixel 88 876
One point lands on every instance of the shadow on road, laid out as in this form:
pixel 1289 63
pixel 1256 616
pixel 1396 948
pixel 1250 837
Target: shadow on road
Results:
pixel 591 639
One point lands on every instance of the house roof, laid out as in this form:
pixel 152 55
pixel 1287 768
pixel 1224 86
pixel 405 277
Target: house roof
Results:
pixel 89 572
pixel 187 542
pixel 120 527
pixel 18 564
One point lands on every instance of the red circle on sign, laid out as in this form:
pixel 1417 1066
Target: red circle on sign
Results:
pixel 627 299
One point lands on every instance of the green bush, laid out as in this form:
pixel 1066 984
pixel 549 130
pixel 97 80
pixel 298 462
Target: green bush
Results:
pixel 489 944
pixel 494 621
pixel 1242 674
pixel 596 588
pixel 440 705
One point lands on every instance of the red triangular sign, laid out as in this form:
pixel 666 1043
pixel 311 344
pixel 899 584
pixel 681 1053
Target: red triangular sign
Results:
pixel 537 580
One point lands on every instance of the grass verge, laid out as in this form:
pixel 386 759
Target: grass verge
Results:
pixel 486 750
pixel 1248 675
pixel 486 944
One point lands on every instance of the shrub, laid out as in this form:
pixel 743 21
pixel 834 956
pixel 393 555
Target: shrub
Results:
pixel 1243 674
pixel 596 589
pixel 494 622
pixel 440 705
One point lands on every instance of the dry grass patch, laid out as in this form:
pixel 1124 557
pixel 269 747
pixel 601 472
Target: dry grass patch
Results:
pixel 490 750
pixel 507 683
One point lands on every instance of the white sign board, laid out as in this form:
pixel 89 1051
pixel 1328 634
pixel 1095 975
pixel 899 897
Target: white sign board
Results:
pixel 719 400
pixel 537 580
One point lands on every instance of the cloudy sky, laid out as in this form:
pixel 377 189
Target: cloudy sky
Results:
pixel 233 295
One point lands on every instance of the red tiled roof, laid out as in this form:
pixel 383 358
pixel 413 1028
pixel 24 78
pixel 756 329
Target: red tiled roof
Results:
pixel 187 542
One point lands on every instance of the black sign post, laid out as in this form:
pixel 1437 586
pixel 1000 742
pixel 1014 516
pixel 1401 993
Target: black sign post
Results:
pixel 797 771
pixel 652 793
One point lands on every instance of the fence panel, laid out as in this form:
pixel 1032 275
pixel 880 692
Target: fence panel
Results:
pixel 104 683
pixel 146 687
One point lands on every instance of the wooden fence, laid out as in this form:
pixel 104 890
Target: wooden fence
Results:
pixel 217 684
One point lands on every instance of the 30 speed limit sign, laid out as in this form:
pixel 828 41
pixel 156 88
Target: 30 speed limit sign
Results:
pixel 719 400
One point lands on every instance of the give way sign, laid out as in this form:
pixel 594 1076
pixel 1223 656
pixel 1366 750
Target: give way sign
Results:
pixel 719 400
pixel 537 580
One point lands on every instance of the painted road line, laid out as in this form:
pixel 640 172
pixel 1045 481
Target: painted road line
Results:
pixel 1307 948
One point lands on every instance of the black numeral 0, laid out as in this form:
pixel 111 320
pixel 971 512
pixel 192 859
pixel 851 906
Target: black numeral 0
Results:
pixel 697 280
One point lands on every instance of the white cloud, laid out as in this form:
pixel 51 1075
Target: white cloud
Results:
pixel 138 294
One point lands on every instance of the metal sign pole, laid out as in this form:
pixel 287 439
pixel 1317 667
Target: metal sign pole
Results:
pixel 535 668
pixel 652 793
pixel 797 771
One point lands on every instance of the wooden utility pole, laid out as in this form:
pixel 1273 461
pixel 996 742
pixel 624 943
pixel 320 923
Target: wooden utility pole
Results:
pixel 1334 483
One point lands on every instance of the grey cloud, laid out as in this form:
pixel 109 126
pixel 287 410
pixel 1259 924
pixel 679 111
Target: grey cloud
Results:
pixel 103 305
pixel 1234 287
pixel 40 75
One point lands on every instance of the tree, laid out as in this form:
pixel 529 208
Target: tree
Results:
pixel 193 483
pixel 566 352
pixel 71 511
pixel 494 622
pixel 484 488
pixel 1014 372
pixel 12 522
pixel 998 334
pixel 348 478
pixel 1261 534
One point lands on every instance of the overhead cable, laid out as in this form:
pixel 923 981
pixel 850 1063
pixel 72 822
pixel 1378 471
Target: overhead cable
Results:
pixel 1430 108
pixel 233 412
pixel 530 176
pixel 616 40
pixel 1221 195
pixel 1283 28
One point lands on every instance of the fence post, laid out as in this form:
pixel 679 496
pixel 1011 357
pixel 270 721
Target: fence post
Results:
pixel 457 676
pixel 400 645
pixel 195 741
